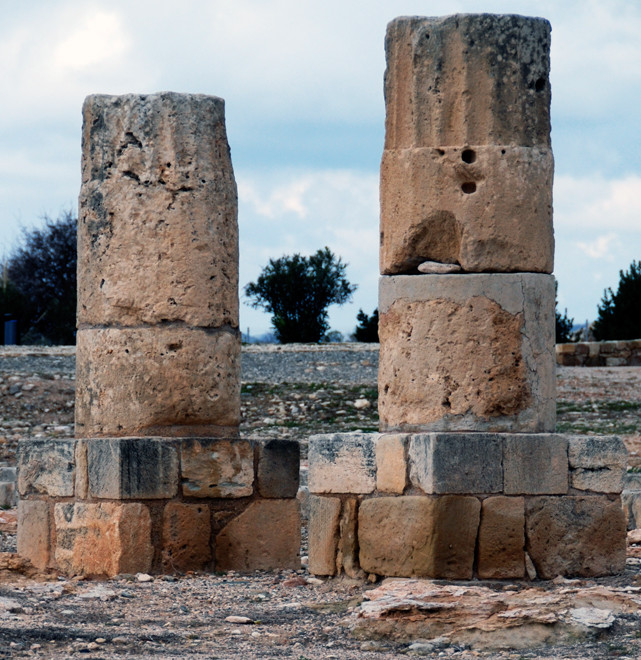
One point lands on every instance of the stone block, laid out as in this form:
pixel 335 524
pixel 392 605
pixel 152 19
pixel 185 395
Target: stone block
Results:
pixel 451 463
pixel 217 467
pixel 157 226
pixel 391 464
pixel 467 79
pixel 501 547
pixel 132 468
pixel 8 494
pixel 582 536
pixel 8 474
pixel 278 468
pixel 482 208
pixel 107 538
pixel 631 502
pixel 597 463
pixel 535 464
pixel 347 554
pixel 46 467
pixel 186 533
pixel 419 536
pixel 82 473
pixel 265 536
pixel 429 327
pixel 33 532
pixel 164 381
pixel 323 530
pixel 342 463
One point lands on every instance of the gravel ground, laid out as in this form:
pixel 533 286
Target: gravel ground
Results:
pixel 287 392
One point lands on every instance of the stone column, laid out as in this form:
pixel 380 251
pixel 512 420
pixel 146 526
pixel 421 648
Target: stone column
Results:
pixel 158 478
pixel 467 477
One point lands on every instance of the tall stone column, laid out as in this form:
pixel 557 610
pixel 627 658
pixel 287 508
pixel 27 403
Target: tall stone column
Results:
pixel 467 477
pixel 158 477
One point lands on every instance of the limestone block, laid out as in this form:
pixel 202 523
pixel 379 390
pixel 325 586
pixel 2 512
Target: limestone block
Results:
pixel 33 532
pixel 157 226
pixel 278 468
pixel 8 494
pixel 467 79
pixel 46 467
pixel 266 536
pixel 342 463
pixel 535 464
pixel 347 554
pixel 103 539
pixel 132 468
pixel 631 502
pixel 217 468
pixel 391 465
pixel 470 352
pixel 186 535
pixel 597 463
pixel 323 530
pixel 501 549
pixel 487 208
pixel 82 476
pixel 419 536
pixel 8 474
pixel 165 381
pixel 456 462
pixel 581 536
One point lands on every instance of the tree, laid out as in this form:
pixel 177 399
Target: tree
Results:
pixel 563 324
pixel 619 314
pixel 43 271
pixel 367 328
pixel 297 291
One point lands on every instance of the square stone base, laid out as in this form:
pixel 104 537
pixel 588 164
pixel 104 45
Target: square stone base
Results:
pixel 104 506
pixel 464 505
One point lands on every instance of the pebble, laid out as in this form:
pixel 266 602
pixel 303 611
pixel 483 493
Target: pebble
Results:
pixel 144 577
pixel 238 619
pixel 361 404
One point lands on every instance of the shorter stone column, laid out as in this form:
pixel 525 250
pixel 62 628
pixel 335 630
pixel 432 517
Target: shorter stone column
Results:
pixel 157 478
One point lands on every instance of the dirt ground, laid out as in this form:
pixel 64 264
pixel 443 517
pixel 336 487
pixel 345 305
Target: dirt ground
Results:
pixel 282 614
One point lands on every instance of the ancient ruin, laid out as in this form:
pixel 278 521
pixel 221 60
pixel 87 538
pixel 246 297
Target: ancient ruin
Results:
pixel 467 477
pixel 157 478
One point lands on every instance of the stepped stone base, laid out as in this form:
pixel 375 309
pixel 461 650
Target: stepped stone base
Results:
pixel 464 505
pixel 104 506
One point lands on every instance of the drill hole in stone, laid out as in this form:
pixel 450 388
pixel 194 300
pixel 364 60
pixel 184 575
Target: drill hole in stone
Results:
pixel 468 187
pixel 468 156
pixel 539 85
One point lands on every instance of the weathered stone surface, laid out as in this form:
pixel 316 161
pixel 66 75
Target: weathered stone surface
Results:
pixel 438 268
pixel 186 533
pixel 456 462
pixel 467 79
pixel 265 536
pixel 391 464
pixel 33 532
pixel 323 530
pixel 483 207
pixel 8 474
pixel 501 547
pixel 278 468
pixel 103 539
pixel 631 502
pixel 8 494
pixel 597 463
pixel 347 554
pixel 535 464
pixel 157 226
pixel 581 536
pixel 342 463
pixel 46 467
pixel 217 468
pixel 165 381
pixel 82 473
pixel 429 327
pixel 419 536
pixel 132 468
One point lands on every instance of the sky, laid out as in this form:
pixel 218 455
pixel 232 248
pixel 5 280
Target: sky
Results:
pixel 303 86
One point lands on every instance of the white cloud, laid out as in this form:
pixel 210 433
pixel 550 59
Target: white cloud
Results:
pixel 600 248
